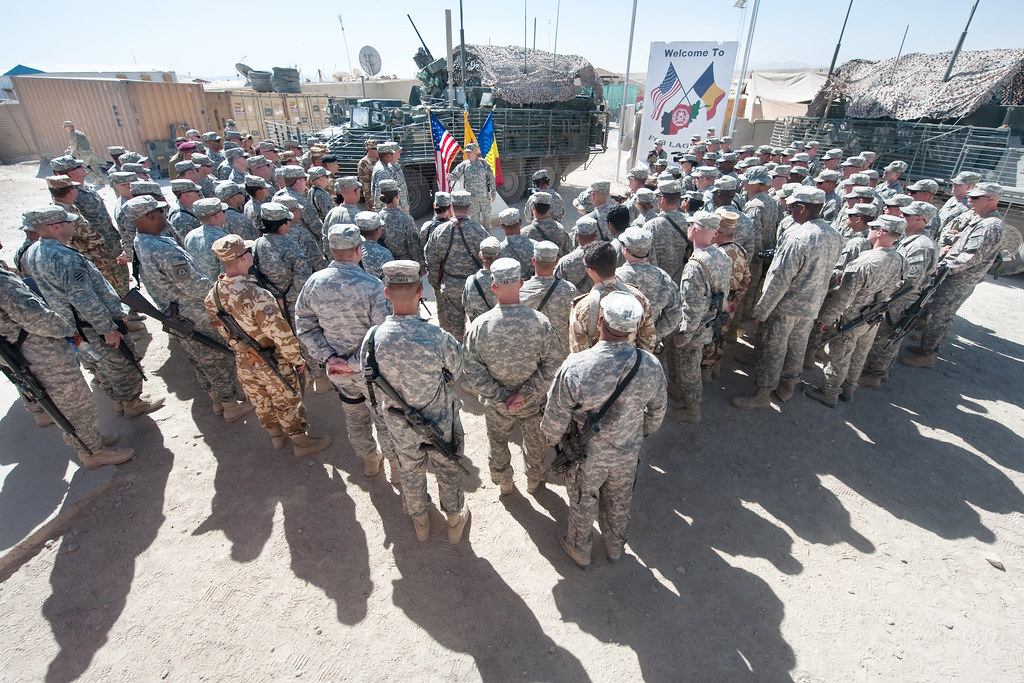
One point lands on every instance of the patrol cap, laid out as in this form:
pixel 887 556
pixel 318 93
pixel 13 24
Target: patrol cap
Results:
pixel 65 163
pixel 472 147
pixel 789 151
pixel 859 191
pixel 506 271
pixel 787 189
pixel 834 153
pixel 756 175
pixel 287 201
pixel 232 135
pixel 192 131
pixel 226 189
pixel 253 162
pixel 231 247
pixel 266 146
pixel 798 144
pixel 858 162
pixel 442 199
pixel 234 153
pixel 255 181
pixel 542 198
pixel 401 272
pixel 924 185
pixel 140 187
pixel 802 157
pixel 132 158
pixel 665 175
pixel 123 177
pixel 727 220
pixel 638 172
pixel 764 149
pixel 490 246
pixel 781 170
pixel 813 143
pixel 893 224
pixel 827 176
pixel 728 156
pixel 60 182
pixel 714 141
pixel 208 207
pixel 586 226
pixel 658 142
pixel 861 179
pixel 180 186
pixel 698 148
pixel 600 186
pixel 749 162
pixel 344 236
pixel 211 136
pixel 726 138
pixel 705 172
pixel 872 174
pixel 899 200
pixel 660 162
pixel 669 187
pixel 329 159
pixel 986 190
pixel 388 185
pixel 645 195
pixel 202 160
pixel 545 252
pixel 866 210
pixel 636 240
pixel 368 221
pixel 274 211
pixel 346 182
pixel 49 215
pixel 293 172
pixel 510 216
pixel 726 184
pixel 115 149
pixel 386 148
pixel 318 172
pixel 925 209
pixel 134 168
pixel 897 167
pixel 542 174
pixel 711 158
pixel 966 178
pixel 800 171
pixel 806 195
pixel 621 311
pixel 705 220
pixel 689 159
pixel 183 166
pixel 868 156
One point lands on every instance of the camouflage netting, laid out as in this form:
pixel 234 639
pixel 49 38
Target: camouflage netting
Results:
pixel 916 91
pixel 501 69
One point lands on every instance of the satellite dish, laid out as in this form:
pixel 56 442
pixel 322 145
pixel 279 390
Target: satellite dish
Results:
pixel 243 69
pixel 369 59
pixel 357 73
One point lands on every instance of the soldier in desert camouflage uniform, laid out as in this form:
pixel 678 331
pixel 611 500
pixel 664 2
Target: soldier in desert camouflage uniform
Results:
pixel 374 254
pixel 544 227
pixel 477 297
pixel 335 309
pixel 413 357
pixel 739 281
pixel 364 171
pixel 277 401
pixel 550 295
pixel 479 182
pixel 601 486
pixel 511 355
pixel 662 294
pixel 235 221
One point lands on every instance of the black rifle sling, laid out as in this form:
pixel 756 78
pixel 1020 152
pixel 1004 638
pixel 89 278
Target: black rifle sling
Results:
pixel 619 388
pixel 480 291
pixel 469 250
pixel 682 233
pixel 547 295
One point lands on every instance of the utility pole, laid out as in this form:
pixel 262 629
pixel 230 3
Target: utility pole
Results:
pixel 959 44
pixel 451 75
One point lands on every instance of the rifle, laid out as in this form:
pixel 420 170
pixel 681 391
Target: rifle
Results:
pixel 916 310
pixel 766 255
pixel 126 347
pixel 239 335
pixel 175 322
pixel 16 368
pixel 420 424
pixel 871 315
pixel 423 303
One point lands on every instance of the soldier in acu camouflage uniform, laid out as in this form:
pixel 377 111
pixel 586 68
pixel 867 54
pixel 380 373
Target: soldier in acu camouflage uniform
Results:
pixel 235 221
pixel 414 358
pixel 516 245
pixel 346 192
pixel 542 183
pixel 511 355
pixel 662 294
pixel 175 283
pixel 956 206
pixel 924 191
pixel 182 218
pixel 967 261
pixel 199 241
pixel 451 256
pixel 379 174
pixel 477 297
pixel 78 147
pixel 826 181
pixel 207 181
pixel 550 295
pixel 600 197
pixel 374 254
pixel 364 171
pixel 259 191
pixel 601 486
pixel 87 240
pixel 320 180
pixel 278 407
pixel 400 234
pixel 479 182
pixel 335 309
pixel 308 218
pixel 891 178
pixel 309 246
pixel 571 267
pixel 669 245
pixel 398 175
pixel 442 214
pixel 544 227
pixel 636 179
pixel 214 147
pixel 76 291
pixel 739 281
pixel 645 202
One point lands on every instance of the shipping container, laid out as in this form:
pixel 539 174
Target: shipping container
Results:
pixel 267 115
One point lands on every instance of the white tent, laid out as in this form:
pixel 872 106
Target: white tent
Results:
pixel 778 93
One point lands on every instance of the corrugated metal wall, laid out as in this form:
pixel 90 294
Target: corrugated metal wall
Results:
pixel 251 110
pixel 158 106
pixel 15 136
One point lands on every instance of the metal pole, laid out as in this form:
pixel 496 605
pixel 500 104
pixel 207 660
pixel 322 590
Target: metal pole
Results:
pixel 625 91
pixel 554 49
pixel 739 34
pixel 448 36
pixel 743 69
pixel 345 38
pixel 835 55
pixel 535 33
pixel 462 53
pixel 899 54
pixel 526 23
pixel 959 44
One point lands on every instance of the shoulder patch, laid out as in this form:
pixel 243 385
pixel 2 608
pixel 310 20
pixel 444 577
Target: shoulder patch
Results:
pixel 180 270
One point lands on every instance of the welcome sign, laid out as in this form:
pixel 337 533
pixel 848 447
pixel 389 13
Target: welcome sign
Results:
pixel 686 93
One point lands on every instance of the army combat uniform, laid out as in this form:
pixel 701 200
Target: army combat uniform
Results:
pixel 557 306
pixel 451 256
pixel 479 182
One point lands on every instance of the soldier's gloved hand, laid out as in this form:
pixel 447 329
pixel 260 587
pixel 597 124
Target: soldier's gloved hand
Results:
pixel 113 338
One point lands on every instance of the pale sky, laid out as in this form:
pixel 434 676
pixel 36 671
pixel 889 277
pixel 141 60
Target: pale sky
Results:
pixel 266 34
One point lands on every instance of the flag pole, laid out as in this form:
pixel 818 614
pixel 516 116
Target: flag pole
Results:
pixel 625 91
pixel 743 69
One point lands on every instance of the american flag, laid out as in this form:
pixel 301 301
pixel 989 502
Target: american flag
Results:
pixel 445 149
pixel 666 91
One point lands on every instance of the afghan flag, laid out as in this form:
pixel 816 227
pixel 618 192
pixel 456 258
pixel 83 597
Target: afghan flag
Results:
pixel 467 133
pixel 706 89
pixel 489 148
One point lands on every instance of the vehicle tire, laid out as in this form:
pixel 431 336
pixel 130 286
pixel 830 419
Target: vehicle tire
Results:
pixel 420 199
pixel 513 182
pixel 1012 251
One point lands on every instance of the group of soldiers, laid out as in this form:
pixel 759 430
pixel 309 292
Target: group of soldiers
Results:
pixel 286 275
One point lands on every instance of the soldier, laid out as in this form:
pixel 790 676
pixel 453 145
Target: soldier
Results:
pixel 635 179
pixel 421 362
pixel 235 221
pixel 400 234
pixel 924 190
pixel 515 245
pixel 381 172
pixel 320 180
pixel 891 178
pixel 662 294
pixel 548 294
pixel 374 254
pixel 364 171
pixel 794 288
pixel 207 181
pixel 739 281
pixel 601 486
pixel 281 265
pixel 477 297
pixel 275 396
pixel 398 175
pixel 512 385
pixel 259 166
pixel 956 206
pixel 442 214
pixel 657 152
pixel 921 255
pixel 214 147
pixel 478 179
pixel 571 267
pixel 871 277
pixel 826 181
pixel 308 218
pixel 542 183
pixel 670 246
pixel 545 228
pixel 87 240
pixel 259 191
pixel 600 197
pixel 583 204
pixel 238 166
pixel 309 246
pixel 177 286
pixel 704 282
pixel 600 260
pixel 330 162
pixel 451 256
pixel 121 183
pixel 79 148
pixel 346 192
pixel 75 290
pixel 115 152
pixel 334 311
pixel 268 149
pixel 967 261
pixel 645 202
pixel 40 335
pixel 199 241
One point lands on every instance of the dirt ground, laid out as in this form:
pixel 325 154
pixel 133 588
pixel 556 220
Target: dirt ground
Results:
pixel 797 543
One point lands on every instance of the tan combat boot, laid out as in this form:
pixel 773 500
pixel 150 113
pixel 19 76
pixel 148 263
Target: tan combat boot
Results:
pixel 105 456
pixel 507 488
pixel 421 523
pixel 871 381
pixel 456 524
pixel 762 398
pixel 785 390
pixel 232 410
pixel 396 477
pixel 920 361
pixel 746 358
pixel 277 438
pixel 689 414
pixel 109 439
pixel 582 561
pixel 218 407
pixel 534 485
pixel 705 373
pixel 371 464
pixel 822 395
pixel 306 445
pixel 140 406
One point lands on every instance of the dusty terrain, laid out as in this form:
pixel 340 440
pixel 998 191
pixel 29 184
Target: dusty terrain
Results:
pixel 799 543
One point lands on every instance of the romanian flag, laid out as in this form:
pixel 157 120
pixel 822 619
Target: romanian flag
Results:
pixel 489 148
pixel 706 89
pixel 467 133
